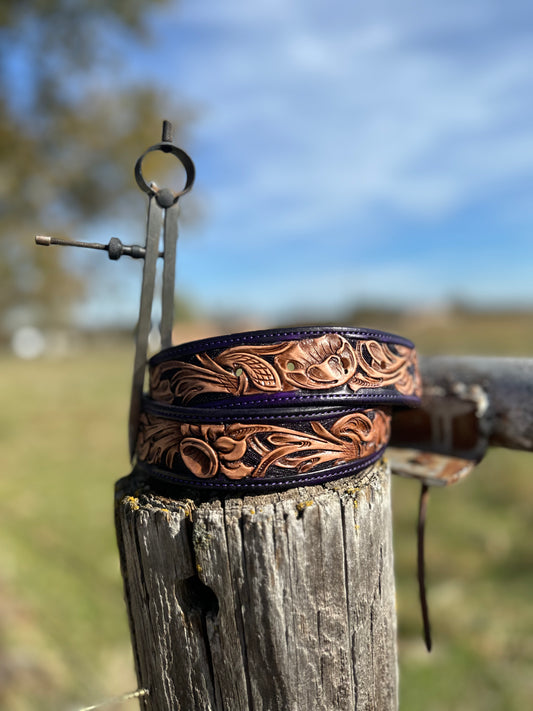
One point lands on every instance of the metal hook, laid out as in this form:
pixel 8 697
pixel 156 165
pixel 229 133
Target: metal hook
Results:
pixel 166 197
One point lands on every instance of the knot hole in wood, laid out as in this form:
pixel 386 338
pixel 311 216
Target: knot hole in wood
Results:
pixel 194 596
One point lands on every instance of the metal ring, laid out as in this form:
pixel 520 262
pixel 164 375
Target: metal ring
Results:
pixel 183 159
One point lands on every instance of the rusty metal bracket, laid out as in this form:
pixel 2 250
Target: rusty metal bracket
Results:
pixel 469 404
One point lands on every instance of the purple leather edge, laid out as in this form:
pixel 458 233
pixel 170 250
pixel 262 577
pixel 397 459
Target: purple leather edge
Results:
pixel 301 412
pixel 270 484
pixel 372 397
pixel 273 335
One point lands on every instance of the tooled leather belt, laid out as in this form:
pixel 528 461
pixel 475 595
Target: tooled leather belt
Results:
pixel 271 409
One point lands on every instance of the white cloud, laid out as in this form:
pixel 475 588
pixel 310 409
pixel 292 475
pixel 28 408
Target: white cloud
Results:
pixel 325 119
pixel 357 114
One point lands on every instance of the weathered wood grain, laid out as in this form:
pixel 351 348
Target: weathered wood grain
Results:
pixel 280 602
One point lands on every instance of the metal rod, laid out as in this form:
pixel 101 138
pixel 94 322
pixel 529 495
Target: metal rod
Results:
pixel 48 241
pixel 153 233
pixel 169 275
pixel 167 132
pixel 115 248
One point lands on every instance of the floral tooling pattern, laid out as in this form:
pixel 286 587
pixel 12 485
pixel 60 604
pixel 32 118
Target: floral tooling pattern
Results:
pixel 323 363
pixel 249 450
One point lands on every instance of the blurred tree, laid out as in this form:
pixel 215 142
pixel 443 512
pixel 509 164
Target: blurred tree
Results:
pixel 185 311
pixel 72 119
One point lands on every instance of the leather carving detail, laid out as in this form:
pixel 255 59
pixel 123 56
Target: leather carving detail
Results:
pixel 160 387
pixel 238 450
pixel 199 457
pixel 235 371
pixel 323 363
pixel 317 363
pixel 380 366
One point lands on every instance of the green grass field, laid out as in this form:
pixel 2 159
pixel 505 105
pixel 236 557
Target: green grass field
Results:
pixel 64 641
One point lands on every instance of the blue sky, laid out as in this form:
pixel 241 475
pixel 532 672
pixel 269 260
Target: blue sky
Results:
pixel 350 153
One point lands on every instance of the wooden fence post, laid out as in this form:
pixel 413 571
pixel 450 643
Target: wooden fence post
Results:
pixel 277 602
